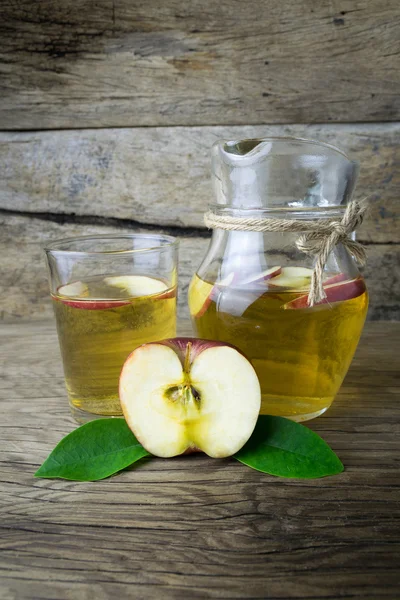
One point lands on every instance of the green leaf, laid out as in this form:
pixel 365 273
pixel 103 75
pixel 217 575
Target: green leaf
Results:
pixel 93 451
pixel 284 448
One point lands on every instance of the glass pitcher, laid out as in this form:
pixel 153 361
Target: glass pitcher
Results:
pixel 251 289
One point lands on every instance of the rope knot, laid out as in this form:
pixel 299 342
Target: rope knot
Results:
pixel 340 230
pixel 318 238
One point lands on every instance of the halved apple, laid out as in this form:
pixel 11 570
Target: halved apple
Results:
pixel 344 290
pixel 185 394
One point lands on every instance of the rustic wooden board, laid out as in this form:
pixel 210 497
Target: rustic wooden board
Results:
pixel 24 288
pixel 94 64
pixel 161 176
pixel 194 527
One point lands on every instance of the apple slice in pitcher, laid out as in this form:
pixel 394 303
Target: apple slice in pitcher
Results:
pixel 335 279
pixel 202 293
pixel 293 278
pixel 186 395
pixel 199 297
pixel 232 295
pixel 236 299
pixel 260 278
pixel 338 292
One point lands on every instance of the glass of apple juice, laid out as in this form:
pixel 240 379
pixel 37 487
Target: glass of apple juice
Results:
pixel 110 294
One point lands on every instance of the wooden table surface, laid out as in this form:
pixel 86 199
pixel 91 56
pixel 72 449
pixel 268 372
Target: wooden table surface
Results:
pixel 194 527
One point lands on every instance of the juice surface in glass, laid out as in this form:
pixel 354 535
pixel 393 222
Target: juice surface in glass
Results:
pixel 100 321
pixel 300 354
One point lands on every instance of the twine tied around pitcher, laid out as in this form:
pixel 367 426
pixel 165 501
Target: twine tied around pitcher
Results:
pixel 318 238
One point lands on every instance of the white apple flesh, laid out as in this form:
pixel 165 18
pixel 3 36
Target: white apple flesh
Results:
pixel 76 289
pixel 185 394
pixel 136 285
pixel 292 278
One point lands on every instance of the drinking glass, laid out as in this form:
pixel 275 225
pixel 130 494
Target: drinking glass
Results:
pixel 110 295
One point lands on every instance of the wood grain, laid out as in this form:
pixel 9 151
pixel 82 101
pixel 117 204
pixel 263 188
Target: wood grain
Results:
pixel 24 287
pixel 161 176
pixel 192 526
pixel 118 63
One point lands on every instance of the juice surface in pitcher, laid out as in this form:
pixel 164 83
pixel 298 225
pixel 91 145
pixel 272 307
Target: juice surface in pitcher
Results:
pixel 100 321
pixel 301 354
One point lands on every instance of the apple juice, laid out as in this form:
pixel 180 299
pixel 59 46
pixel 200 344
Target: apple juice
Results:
pixel 300 354
pixel 100 321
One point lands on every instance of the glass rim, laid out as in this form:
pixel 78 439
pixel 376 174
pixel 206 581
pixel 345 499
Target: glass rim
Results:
pixel 276 138
pixel 56 246
pixel 278 210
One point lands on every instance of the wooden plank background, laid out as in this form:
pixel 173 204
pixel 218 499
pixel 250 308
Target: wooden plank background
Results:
pixel 169 62
pixel 108 110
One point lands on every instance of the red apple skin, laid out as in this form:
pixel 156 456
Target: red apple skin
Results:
pixel 205 306
pixel 213 295
pixel 335 279
pixel 179 345
pixel 104 304
pixel 168 294
pixel 198 345
pixel 345 290
pixel 92 304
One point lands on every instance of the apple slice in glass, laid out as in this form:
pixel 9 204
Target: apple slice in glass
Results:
pixel 139 285
pixel 79 292
pixel 186 395
pixel 77 289
pixel 132 286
